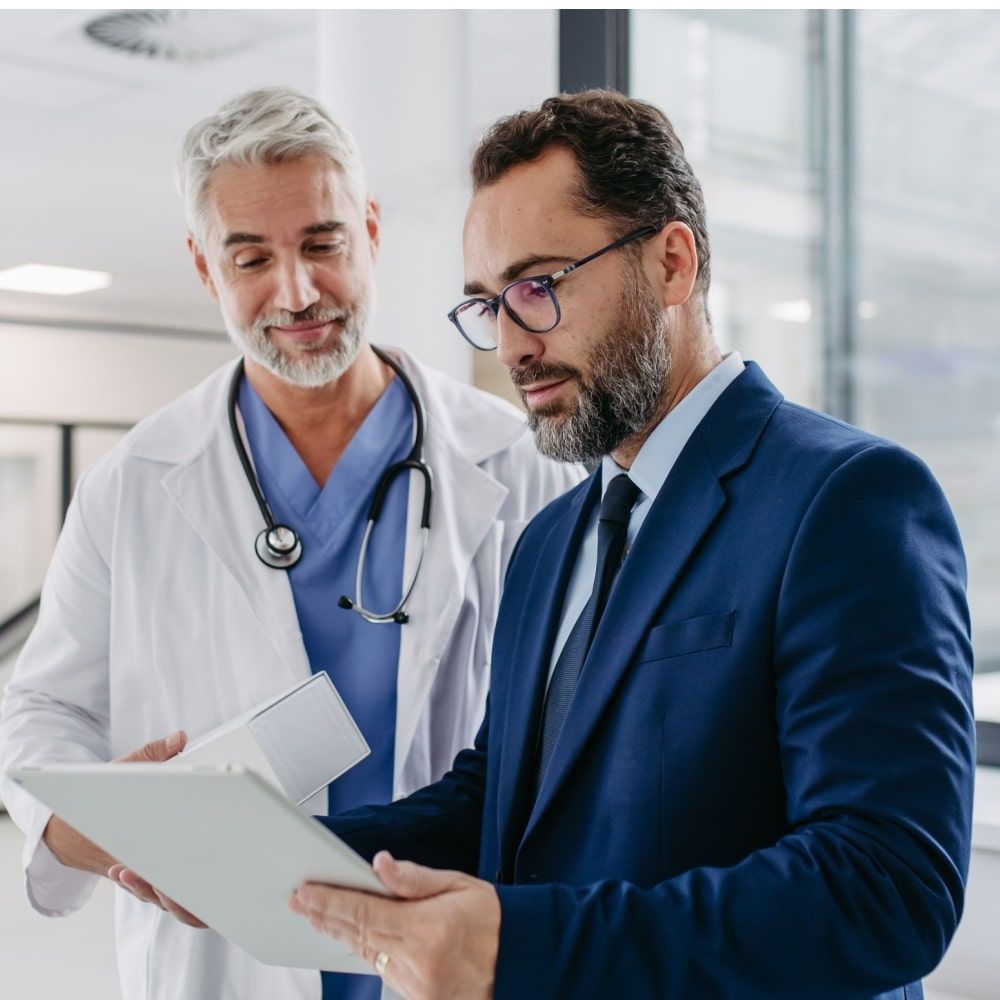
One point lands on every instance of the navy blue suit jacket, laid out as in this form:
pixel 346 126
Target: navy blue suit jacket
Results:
pixel 764 784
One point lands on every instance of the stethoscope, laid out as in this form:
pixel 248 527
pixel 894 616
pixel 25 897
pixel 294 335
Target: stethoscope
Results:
pixel 279 546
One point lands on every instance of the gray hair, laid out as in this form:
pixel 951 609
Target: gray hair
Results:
pixel 270 125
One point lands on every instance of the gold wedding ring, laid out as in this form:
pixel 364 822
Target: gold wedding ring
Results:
pixel 381 962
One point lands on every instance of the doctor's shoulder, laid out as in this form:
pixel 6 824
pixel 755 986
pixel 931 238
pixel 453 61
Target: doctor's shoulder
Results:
pixel 169 435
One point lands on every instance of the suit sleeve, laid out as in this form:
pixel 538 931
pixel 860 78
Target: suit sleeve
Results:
pixel 56 707
pixel 438 826
pixel 872 671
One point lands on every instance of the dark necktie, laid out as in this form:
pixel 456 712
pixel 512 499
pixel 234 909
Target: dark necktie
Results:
pixel 612 531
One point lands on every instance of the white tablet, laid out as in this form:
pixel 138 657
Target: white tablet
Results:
pixel 220 841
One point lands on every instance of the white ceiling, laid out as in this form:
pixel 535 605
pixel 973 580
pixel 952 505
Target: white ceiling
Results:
pixel 88 137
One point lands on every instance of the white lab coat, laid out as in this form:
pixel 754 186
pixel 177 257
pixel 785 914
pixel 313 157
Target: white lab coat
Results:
pixel 157 615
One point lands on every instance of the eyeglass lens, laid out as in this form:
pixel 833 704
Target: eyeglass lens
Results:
pixel 532 303
pixel 529 302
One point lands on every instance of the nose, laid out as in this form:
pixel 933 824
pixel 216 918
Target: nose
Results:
pixel 296 288
pixel 516 347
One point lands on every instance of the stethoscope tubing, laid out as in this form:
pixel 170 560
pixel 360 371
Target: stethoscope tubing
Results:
pixel 278 546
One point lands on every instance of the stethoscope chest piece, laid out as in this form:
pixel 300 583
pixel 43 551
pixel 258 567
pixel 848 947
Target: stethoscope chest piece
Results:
pixel 278 547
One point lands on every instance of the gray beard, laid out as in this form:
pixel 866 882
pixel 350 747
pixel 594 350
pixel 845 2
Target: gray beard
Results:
pixel 318 367
pixel 629 369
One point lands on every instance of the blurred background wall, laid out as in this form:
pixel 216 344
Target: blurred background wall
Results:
pixel 93 107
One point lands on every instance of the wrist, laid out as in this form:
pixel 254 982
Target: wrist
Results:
pixel 73 850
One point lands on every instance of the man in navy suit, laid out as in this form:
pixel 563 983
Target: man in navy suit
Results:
pixel 728 750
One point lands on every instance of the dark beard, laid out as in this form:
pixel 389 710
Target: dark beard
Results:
pixel 629 367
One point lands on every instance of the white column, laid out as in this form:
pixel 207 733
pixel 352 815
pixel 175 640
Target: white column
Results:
pixel 396 79
pixel 416 88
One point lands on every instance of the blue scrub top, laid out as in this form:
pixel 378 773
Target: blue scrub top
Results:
pixel 361 658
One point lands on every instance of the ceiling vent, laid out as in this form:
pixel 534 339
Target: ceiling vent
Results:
pixel 175 35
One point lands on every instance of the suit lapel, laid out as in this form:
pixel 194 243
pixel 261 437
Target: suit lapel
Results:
pixel 683 511
pixel 688 504
pixel 542 604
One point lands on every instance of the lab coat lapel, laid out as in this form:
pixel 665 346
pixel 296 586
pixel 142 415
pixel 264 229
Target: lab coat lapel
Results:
pixel 543 604
pixel 212 493
pixel 464 509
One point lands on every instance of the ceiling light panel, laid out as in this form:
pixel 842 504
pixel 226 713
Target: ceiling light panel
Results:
pixel 47 279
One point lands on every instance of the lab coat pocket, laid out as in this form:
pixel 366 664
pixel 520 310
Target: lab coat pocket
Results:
pixel 692 635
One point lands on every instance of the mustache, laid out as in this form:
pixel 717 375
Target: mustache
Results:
pixel 542 373
pixel 312 314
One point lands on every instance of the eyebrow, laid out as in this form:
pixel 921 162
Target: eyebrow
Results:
pixel 324 227
pixel 233 238
pixel 515 270
pixel 318 229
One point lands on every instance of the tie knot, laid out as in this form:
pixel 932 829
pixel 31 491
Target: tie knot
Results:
pixel 618 500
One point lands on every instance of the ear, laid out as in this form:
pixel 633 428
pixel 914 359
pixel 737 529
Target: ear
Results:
pixel 373 216
pixel 201 266
pixel 671 263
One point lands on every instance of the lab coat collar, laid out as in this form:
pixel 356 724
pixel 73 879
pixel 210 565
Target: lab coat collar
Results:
pixel 206 481
pixel 183 429
pixel 464 428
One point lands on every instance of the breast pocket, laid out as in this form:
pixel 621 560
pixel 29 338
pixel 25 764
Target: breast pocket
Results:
pixel 692 635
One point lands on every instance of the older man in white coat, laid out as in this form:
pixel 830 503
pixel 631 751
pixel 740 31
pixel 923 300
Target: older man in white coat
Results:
pixel 161 613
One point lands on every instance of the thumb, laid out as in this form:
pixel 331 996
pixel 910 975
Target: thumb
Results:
pixel 157 750
pixel 412 881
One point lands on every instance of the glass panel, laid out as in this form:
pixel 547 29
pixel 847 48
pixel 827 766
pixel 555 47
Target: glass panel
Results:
pixel 740 89
pixel 29 509
pixel 927 360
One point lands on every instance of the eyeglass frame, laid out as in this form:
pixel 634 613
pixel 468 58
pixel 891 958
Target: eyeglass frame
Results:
pixel 547 281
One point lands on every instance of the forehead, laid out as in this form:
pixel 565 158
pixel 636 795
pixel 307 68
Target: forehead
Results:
pixel 276 198
pixel 530 210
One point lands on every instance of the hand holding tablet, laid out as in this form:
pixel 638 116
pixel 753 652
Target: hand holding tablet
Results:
pixel 220 841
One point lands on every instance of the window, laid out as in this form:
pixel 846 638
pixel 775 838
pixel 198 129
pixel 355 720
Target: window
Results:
pixel 927 357
pixel 740 88
pixel 750 93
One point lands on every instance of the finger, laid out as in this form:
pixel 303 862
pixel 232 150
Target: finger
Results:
pixel 364 942
pixel 139 887
pixel 349 916
pixel 412 881
pixel 403 979
pixel 157 750
pixel 403 972
pixel 178 912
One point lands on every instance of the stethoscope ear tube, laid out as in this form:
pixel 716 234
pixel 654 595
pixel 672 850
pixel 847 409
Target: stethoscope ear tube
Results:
pixel 425 515
pixel 414 462
pixel 397 615
pixel 414 465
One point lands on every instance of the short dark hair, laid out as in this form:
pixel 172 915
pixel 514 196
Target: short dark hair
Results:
pixel 632 164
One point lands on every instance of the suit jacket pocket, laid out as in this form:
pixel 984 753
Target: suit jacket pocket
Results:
pixel 689 636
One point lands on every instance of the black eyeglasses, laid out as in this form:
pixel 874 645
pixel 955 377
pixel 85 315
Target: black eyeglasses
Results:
pixel 529 302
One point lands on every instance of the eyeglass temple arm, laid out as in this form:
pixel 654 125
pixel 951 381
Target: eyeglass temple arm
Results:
pixel 628 238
